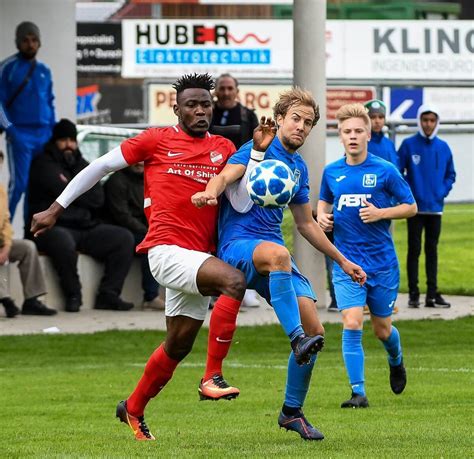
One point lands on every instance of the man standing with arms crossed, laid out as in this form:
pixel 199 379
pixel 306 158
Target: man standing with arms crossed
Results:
pixel 356 197
pixel 179 161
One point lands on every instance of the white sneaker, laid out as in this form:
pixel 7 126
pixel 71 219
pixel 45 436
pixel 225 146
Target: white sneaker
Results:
pixel 156 304
pixel 251 299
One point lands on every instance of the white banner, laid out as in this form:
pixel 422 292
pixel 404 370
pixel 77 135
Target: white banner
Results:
pixel 169 48
pixel 355 50
pixel 418 50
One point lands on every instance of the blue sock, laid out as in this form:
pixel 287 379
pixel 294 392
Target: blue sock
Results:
pixel 393 347
pixel 353 354
pixel 285 303
pixel 297 382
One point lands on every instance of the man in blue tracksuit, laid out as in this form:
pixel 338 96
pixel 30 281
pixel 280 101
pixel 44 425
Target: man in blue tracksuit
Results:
pixel 379 145
pixel 427 163
pixel 26 108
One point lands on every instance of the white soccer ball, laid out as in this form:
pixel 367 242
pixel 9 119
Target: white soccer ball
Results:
pixel 271 184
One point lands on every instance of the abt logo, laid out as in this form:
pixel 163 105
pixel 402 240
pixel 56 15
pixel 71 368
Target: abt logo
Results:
pixel 352 200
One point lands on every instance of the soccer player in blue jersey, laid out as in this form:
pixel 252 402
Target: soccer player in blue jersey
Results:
pixel 356 200
pixel 251 240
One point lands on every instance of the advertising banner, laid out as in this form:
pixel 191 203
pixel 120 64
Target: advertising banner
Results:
pixel 261 98
pixel 245 48
pixel 109 103
pixel 413 50
pixel 395 50
pixel 454 104
pixel 98 49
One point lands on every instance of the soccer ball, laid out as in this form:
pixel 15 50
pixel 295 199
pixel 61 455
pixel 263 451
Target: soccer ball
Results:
pixel 271 184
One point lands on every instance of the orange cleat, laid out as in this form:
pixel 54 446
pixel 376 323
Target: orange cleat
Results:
pixel 140 429
pixel 217 388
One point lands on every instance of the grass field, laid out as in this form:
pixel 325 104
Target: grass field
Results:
pixel 455 250
pixel 58 397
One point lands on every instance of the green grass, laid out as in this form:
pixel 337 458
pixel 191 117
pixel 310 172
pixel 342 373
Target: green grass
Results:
pixel 58 396
pixel 455 250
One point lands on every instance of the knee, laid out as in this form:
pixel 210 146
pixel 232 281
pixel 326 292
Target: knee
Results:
pixel 382 332
pixel 235 284
pixel 177 349
pixel 278 258
pixel 353 323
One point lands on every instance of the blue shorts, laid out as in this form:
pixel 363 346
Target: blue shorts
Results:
pixel 239 254
pixel 379 293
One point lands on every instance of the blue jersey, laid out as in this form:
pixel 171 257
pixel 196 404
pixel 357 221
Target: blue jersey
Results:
pixel 260 222
pixel 33 107
pixel 346 186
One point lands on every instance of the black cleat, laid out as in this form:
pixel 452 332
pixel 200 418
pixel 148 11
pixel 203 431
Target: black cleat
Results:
pixel 398 378
pixel 298 423
pixel 306 346
pixel 437 302
pixel 356 401
pixel 333 307
pixel 34 307
pixel 414 300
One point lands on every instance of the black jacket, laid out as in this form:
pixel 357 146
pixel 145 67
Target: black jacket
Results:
pixel 49 175
pixel 124 200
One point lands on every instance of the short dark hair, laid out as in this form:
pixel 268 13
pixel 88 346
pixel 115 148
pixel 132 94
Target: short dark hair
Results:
pixel 227 75
pixel 195 80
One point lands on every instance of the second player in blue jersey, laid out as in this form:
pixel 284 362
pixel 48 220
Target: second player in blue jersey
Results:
pixel 356 201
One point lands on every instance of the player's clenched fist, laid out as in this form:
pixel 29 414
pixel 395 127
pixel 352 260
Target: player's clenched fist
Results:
pixel 203 198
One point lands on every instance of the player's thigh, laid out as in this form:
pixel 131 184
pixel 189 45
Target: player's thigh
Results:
pixel 239 254
pixel 349 294
pixel 176 268
pixel 382 291
pixel 216 277
pixel 309 316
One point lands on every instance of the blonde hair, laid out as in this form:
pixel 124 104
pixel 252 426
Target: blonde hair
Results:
pixel 295 96
pixel 348 111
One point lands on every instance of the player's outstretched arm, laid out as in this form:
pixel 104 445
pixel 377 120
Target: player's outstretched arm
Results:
pixel 263 136
pixel 371 214
pixel 82 182
pixel 313 233
pixel 216 186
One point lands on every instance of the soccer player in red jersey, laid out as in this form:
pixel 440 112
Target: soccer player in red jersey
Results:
pixel 179 161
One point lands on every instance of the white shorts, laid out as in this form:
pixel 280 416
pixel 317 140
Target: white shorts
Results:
pixel 176 269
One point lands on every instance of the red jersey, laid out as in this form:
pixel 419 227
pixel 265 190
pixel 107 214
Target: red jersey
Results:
pixel 177 166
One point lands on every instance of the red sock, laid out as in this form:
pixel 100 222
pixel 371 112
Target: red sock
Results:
pixel 158 371
pixel 221 330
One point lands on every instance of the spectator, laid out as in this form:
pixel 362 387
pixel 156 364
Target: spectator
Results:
pixel 228 111
pixel 124 207
pixel 427 163
pixel 31 273
pixel 26 109
pixel 78 228
pixel 379 145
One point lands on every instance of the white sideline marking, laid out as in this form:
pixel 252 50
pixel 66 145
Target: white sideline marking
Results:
pixel 245 365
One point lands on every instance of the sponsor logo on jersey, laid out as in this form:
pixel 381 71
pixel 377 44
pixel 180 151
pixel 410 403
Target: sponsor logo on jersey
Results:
pixel 297 175
pixel 216 157
pixel 416 159
pixel 341 177
pixel 352 200
pixel 369 180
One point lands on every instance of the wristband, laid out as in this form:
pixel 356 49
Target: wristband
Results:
pixel 257 155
